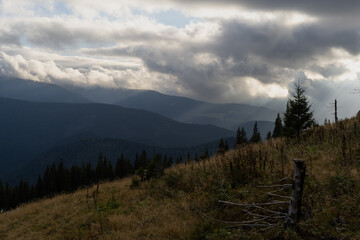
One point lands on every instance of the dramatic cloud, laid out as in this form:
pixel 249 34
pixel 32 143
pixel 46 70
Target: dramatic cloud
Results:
pixel 220 51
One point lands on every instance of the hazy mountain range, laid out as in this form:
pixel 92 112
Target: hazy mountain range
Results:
pixel 30 128
pixel 182 109
pixel 42 121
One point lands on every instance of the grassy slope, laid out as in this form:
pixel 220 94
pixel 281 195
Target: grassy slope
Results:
pixel 179 205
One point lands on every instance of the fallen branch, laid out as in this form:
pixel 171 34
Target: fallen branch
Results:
pixel 218 220
pixel 278 190
pixel 254 204
pixel 275 186
pixel 255 225
pixel 279 196
pixel 284 179
pixel 251 223
pixel 253 214
pixel 271 211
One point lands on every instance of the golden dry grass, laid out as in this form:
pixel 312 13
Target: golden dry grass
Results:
pixel 74 216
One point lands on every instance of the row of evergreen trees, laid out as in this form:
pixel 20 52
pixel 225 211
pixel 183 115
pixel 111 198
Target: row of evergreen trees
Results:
pixel 59 179
pixel 241 137
pixel 297 118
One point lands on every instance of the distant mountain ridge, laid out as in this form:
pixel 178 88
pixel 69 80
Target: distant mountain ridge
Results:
pixel 30 128
pixel 28 90
pixel 182 109
pixel 229 116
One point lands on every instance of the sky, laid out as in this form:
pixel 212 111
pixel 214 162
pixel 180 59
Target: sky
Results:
pixel 221 51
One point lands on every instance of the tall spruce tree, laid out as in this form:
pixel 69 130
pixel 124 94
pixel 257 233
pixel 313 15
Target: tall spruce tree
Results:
pixel 226 147
pixel 2 196
pixel 298 116
pixel 268 135
pixel 221 147
pixel 278 129
pixel 241 136
pixel 205 155
pixel 256 137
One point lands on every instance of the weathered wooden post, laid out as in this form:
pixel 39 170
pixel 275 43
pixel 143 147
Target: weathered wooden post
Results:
pixel 297 190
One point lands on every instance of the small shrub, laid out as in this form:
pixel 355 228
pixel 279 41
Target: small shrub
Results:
pixel 341 184
pixel 173 180
pixel 108 206
pixel 135 183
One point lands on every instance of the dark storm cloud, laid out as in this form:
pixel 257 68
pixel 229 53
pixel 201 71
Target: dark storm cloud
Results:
pixel 270 52
pixel 331 70
pixel 9 38
pixel 318 7
pixel 60 34
pixel 322 7
pixel 262 51
pixel 288 47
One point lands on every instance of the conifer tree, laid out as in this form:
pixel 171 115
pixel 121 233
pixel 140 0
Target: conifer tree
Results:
pixel 165 161
pixel 298 116
pixel 241 136
pixel 205 155
pixel 226 147
pixel 110 171
pixel 238 136
pixel 221 147
pixel 60 177
pixel 8 197
pixel 179 160
pixel 129 169
pixel 39 188
pixel 119 167
pixel 143 159
pixel 159 166
pixel 90 174
pixel 170 162
pixel 268 135
pixel 256 137
pixel 2 196
pixel 100 169
pixel 188 159
pixel 136 162
pixel 278 129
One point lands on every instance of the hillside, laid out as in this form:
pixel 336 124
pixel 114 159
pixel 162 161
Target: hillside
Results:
pixel 184 202
pixel 29 129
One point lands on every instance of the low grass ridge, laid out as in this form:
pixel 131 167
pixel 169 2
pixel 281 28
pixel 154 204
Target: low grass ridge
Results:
pixel 183 203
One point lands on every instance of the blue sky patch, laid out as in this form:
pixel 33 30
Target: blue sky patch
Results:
pixel 170 17
pixel 61 8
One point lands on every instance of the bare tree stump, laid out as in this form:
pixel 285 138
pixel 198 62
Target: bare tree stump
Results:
pixel 297 190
